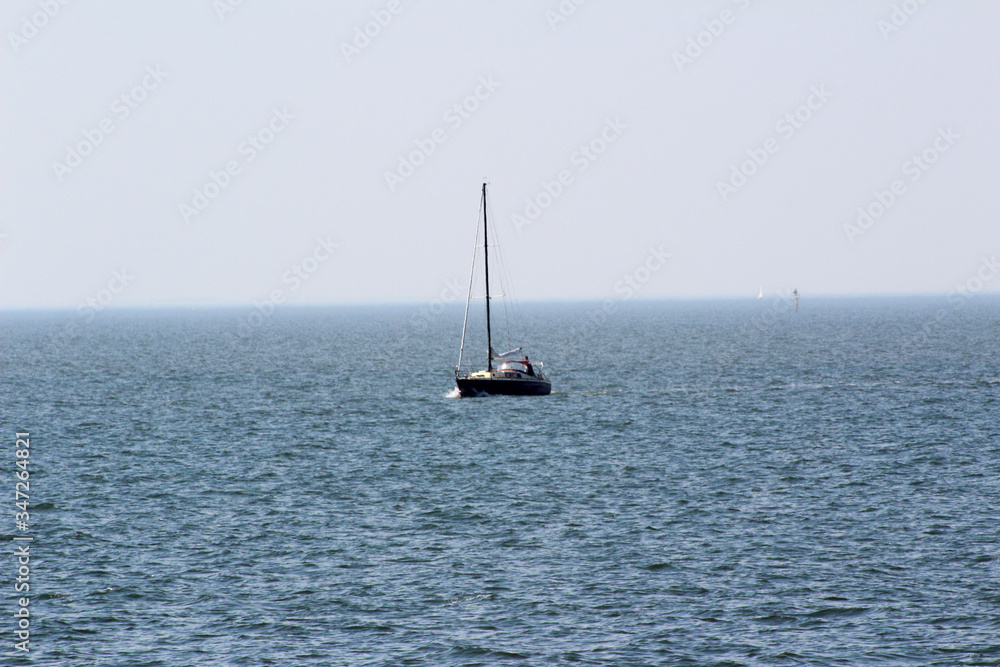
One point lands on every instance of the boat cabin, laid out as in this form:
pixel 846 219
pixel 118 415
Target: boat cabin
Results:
pixel 520 366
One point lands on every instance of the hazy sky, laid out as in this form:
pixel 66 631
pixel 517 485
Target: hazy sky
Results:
pixel 197 152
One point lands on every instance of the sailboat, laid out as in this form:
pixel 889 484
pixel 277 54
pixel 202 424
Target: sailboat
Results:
pixel 514 374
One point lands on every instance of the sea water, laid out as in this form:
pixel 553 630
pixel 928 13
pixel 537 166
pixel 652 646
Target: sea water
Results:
pixel 710 483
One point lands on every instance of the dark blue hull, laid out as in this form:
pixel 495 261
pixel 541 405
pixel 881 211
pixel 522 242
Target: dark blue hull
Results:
pixel 502 387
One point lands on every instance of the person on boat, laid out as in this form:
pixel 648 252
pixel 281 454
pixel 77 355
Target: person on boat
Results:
pixel 527 363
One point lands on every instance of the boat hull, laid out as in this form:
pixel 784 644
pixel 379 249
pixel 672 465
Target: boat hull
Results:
pixel 468 387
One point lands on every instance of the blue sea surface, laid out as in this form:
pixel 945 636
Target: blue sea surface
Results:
pixel 710 483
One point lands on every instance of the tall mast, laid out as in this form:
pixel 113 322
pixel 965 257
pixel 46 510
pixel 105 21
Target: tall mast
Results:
pixel 486 257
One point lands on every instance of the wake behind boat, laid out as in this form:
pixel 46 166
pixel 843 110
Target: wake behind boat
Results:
pixel 514 374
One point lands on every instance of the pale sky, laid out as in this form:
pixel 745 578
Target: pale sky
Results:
pixel 195 153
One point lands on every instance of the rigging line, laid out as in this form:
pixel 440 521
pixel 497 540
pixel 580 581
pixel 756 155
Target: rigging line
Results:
pixel 514 324
pixel 468 298
pixel 514 316
pixel 513 319
pixel 514 328
pixel 515 306
pixel 518 316
pixel 505 280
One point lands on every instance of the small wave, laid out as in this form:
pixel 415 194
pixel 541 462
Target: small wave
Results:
pixel 473 650
pixel 453 393
pixel 838 612
pixel 481 596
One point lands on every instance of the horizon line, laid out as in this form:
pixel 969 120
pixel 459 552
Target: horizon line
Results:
pixel 457 302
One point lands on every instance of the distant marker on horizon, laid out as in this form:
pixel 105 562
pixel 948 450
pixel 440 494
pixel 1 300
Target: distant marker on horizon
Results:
pixel 795 293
